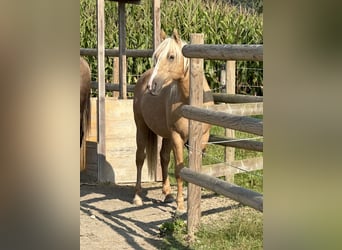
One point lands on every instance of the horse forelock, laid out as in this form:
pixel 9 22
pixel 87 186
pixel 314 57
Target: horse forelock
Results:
pixel 169 45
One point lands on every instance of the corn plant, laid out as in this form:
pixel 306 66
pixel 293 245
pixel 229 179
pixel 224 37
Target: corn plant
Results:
pixel 222 22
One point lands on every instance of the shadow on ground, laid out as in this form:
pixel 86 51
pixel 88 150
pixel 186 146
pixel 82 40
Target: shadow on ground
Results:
pixel 109 217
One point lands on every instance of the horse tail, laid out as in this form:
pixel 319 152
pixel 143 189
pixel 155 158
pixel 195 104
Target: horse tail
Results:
pixel 85 130
pixel 151 154
pixel 87 116
pixel 85 89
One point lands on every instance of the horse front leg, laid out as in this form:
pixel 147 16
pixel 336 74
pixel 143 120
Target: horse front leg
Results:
pixel 178 155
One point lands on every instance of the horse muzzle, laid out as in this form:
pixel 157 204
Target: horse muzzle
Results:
pixel 155 87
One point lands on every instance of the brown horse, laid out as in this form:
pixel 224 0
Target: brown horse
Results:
pixel 85 78
pixel 158 98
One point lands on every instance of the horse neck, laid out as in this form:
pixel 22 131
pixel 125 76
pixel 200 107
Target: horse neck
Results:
pixel 184 86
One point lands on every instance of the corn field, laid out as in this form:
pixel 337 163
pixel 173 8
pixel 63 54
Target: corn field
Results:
pixel 222 22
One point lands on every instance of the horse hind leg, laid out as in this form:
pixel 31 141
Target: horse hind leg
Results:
pixel 140 157
pixel 164 161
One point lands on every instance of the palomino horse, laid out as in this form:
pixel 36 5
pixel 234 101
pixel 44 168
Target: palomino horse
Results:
pixel 84 104
pixel 158 97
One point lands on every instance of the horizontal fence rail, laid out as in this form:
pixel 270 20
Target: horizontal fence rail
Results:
pixel 115 52
pixel 234 98
pixel 224 52
pixel 112 86
pixel 245 109
pixel 237 143
pixel 241 123
pixel 234 167
pixel 234 192
pixel 241 105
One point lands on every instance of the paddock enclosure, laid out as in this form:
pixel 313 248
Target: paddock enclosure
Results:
pixel 111 140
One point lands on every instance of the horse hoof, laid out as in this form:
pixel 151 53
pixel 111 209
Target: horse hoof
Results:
pixel 137 201
pixel 169 198
pixel 179 212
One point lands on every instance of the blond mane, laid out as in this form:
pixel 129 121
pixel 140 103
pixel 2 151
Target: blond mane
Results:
pixel 170 45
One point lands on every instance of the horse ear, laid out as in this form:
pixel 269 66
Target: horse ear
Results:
pixel 176 36
pixel 162 35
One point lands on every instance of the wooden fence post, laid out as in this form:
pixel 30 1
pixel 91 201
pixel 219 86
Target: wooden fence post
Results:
pixel 230 89
pixel 122 51
pixel 101 143
pixel 115 75
pixel 156 42
pixel 195 136
pixel 156 23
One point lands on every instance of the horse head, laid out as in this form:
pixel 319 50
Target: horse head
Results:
pixel 170 64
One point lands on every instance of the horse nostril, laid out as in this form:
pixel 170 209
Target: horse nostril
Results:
pixel 154 86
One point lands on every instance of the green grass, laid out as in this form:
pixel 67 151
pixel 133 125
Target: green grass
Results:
pixel 173 233
pixel 242 230
pixel 252 180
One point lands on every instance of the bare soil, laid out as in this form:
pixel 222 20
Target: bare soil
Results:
pixel 109 220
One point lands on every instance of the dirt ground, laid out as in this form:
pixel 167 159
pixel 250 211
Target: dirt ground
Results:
pixel 109 220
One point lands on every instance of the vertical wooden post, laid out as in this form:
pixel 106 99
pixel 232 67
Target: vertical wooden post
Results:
pixel 122 51
pixel 101 144
pixel 156 23
pixel 195 137
pixel 156 42
pixel 116 75
pixel 230 89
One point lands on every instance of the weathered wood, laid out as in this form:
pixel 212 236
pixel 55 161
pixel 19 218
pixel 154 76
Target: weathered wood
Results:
pixel 156 23
pixel 115 52
pixel 231 108
pixel 230 77
pixel 156 42
pixel 229 155
pixel 233 98
pixel 224 52
pixel 241 123
pixel 127 1
pixel 115 75
pixel 237 166
pixel 120 142
pixel 91 160
pixel 112 86
pixel 101 143
pixel 122 51
pixel 251 164
pixel 245 196
pixel 236 143
pixel 195 137
pixel 245 109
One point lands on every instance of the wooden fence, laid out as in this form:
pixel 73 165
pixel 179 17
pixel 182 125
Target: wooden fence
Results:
pixel 228 103
pixel 197 51
pixel 237 105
